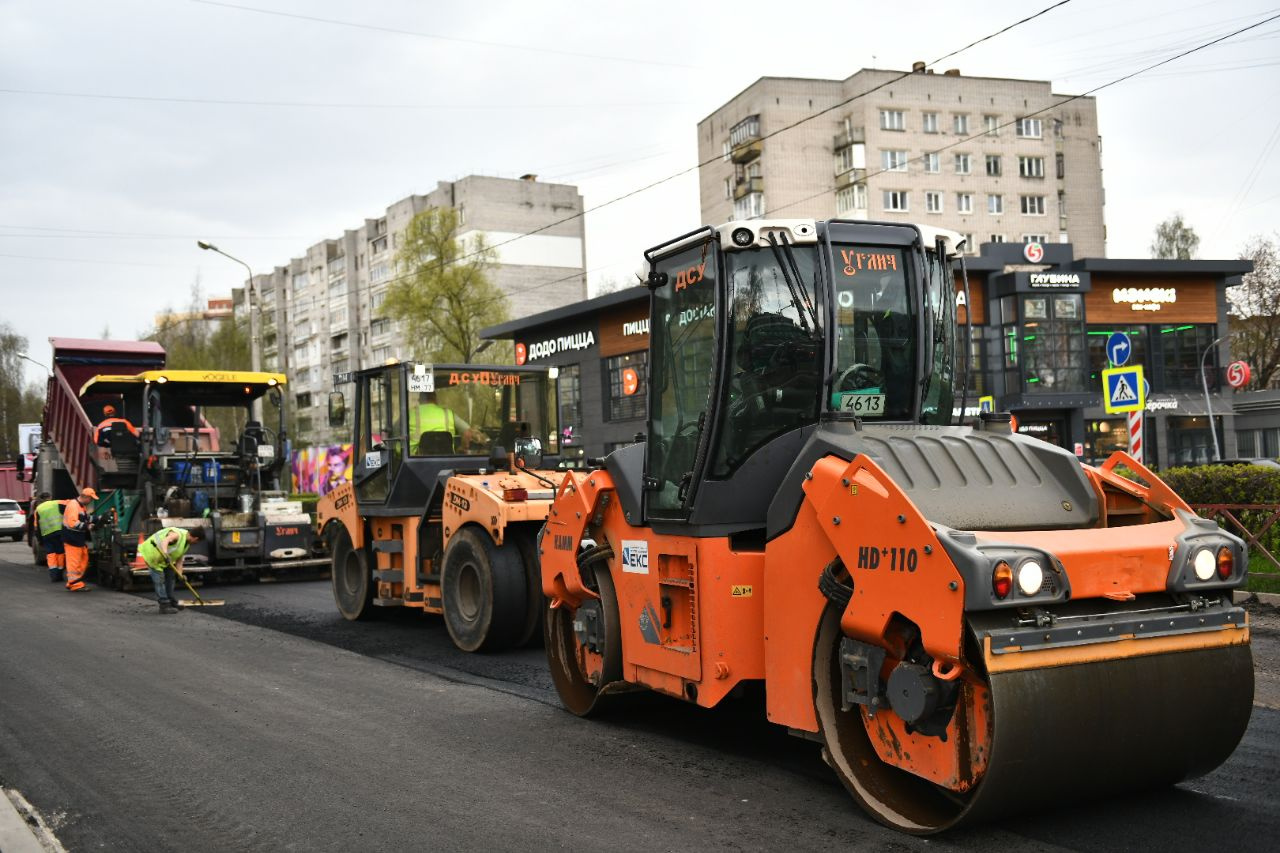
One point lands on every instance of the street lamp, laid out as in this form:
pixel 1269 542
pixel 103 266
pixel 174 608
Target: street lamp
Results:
pixel 255 343
pixel 1204 381
pixel 25 357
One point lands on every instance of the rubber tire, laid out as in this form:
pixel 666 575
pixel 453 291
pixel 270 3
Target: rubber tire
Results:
pixel 352 580
pixel 484 592
pixel 578 695
pixel 38 556
pixel 18 537
pixel 536 604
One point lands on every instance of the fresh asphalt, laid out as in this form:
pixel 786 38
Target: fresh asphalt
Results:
pixel 271 723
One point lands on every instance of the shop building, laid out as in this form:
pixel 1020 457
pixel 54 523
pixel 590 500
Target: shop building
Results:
pixel 1041 321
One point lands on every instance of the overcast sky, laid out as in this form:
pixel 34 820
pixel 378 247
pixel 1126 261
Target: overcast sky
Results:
pixel 102 198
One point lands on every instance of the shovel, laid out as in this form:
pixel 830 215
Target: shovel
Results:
pixel 199 602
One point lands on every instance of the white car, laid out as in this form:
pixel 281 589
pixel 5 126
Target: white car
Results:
pixel 13 521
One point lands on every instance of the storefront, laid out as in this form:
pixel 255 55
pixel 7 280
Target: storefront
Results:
pixel 1042 320
pixel 1040 345
pixel 600 349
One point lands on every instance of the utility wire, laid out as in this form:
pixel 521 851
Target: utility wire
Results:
pixel 435 36
pixel 1063 102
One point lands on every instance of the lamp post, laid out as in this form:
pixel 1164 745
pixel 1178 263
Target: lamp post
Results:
pixel 255 343
pixel 1204 381
pixel 25 357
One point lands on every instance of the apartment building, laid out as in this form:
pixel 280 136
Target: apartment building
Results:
pixel 321 311
pixel 997 160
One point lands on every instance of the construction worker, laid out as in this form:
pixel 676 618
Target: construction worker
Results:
pixel 431 417
pixel 164 552
pixel 75 538
pixel 49 526
pixel 101 434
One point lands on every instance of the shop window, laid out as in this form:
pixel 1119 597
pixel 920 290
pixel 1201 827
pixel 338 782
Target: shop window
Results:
pixel 1190 442
pixel 1102 438
pixel 570 403
pixel 1052 343
pixel 1182 347
pixel 1246 443
pixel 626 385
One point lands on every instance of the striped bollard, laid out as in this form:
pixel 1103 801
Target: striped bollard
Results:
pixel 1135 435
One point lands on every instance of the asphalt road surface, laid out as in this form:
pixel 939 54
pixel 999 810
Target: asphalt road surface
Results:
pixel 272 724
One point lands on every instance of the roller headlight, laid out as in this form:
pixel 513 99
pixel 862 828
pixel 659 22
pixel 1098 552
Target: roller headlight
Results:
pixel 1205 564
pixel 1030 577
pixel 743 237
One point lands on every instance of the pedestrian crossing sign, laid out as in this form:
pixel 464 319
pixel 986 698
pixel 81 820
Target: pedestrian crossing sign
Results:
pixel 1123 389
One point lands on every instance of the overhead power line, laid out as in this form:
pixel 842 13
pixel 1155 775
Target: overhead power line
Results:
pixel 360 25
pixel 1044 110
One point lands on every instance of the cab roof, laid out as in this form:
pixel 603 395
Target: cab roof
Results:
pixel 211 387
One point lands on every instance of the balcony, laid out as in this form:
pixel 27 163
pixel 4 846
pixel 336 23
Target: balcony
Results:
pixel 747 151
pixel 849 177
pixel 854 136
pixel 747 186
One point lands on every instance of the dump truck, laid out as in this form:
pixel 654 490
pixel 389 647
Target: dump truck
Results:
pixel 448 492
pixel 968 620
pixel 164 448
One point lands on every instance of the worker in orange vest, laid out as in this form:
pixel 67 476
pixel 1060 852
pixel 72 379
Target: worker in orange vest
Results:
pixel 75 538
pixel 104 426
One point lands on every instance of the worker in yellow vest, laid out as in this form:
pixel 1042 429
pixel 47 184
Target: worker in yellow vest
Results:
pixel 431 417
pixel 49 524
pixel 164 552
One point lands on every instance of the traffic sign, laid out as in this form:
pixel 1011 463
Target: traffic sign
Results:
pixel 1118 348
pixel 987 404
pixel 1123 389
pixel 1238 374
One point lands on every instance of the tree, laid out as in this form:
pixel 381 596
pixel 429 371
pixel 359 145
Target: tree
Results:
pixel 1175 240
pixel 443 296
pixel 20 403
pixel 1255 311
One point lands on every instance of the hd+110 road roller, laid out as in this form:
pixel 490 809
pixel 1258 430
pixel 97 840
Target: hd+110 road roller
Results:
pixel 969 620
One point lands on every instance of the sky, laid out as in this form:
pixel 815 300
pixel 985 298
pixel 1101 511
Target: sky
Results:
pixel 129 129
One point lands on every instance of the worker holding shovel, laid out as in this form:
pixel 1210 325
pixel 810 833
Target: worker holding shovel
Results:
pixel 163 552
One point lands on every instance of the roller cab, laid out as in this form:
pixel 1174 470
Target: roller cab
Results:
pixel 969 620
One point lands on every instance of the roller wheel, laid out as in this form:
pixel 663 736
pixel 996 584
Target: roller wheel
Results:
pixel 37 553
pixel 352 582
pixel 582 675
pixel 536 604
pixel 484 591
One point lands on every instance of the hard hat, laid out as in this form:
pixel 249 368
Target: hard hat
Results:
pixel 108 410
pixel 89 493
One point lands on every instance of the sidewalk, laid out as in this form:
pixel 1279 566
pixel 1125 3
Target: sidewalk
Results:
pixel 21 830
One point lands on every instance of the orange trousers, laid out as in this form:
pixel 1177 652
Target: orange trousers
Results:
pixel 77 564
pixel 55 561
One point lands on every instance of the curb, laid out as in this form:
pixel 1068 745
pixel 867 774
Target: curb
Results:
pixel 17 831
pixel 1241 595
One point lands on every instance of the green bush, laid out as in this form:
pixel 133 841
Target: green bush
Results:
pixel 1233 484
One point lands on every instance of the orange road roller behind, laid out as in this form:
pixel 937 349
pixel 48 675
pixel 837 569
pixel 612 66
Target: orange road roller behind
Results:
pixel 969 620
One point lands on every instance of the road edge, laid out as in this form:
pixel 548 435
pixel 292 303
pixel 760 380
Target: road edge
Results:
pixel 22 830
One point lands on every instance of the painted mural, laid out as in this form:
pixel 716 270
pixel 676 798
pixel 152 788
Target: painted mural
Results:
pixel 319 470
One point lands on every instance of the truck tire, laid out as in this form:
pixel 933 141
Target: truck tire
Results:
pixel 352 582
pixel 484 591
pixel 536 605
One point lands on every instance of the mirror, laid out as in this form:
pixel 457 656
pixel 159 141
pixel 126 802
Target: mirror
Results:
pixel 528 453
pixel 337 409
pixel 275 396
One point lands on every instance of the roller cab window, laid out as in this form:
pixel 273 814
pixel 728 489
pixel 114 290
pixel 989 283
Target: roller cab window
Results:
pixel 875 332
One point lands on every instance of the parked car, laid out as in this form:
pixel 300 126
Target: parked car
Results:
pixel 1262 463
pixel 13 520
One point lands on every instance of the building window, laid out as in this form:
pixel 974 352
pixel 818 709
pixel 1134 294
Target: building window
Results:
pixel 1033 205
pixel 1029 128
pixel 970 244
pixel 338 286
pixel 1035 238
pixel 622 373
pixel 380 326
pixel 932 163
pixel 1182 347
pixel 932 202
pixel 851 198
pixel 379 272
pixel 996 238
pixel 893 161
pixel 301 377
pixel 338 342
pixel 1096 340
pixel 1062 165
pixel 992 125
pixel 964 202
pixel 895 200
pixel 993 165
pixel 749 206
pixel 300 281
pixel 960 122
pixel 728 187
pixel 995 204
pixel 376 300
pixel 963 164
pixel 1057 128
pixel 851 157
pixel 892 120
pixel 1053 343
pixel 1031 167
pixel 377 245
pixel 381 354
pixel 338 318
pixel 929 122
pixel 570 401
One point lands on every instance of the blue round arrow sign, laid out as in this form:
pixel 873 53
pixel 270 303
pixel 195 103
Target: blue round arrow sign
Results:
pixel 1118 348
